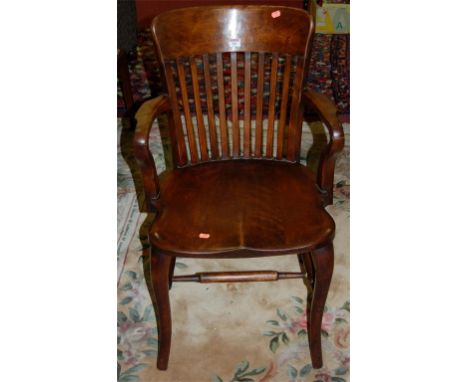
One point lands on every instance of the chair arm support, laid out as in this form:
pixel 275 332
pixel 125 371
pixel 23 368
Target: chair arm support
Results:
pixel 145 117
pixel 328 115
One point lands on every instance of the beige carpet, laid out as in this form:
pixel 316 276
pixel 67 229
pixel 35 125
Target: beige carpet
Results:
pixel 229 332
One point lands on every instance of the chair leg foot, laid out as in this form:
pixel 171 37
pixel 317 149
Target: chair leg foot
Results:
pixel 160 276
pixel 323 266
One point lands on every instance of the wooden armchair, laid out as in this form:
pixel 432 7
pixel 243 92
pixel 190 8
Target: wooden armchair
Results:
pixel 238 189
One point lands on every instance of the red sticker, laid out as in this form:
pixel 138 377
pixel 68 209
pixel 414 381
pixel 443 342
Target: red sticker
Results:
pixel 204 235
pixel 275 14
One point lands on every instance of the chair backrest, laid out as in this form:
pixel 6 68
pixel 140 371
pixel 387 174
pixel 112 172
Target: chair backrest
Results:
pixel 234 77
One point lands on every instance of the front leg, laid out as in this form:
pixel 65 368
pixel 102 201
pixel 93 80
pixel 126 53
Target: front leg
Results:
pixel 323 265
pixel 160 278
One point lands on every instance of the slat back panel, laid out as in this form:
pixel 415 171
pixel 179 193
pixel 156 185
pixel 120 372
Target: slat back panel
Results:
pixel 236 105
pixel 234 102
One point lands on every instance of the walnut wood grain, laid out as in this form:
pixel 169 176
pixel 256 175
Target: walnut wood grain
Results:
pixel 231 80
pixel 328 114
pixel 322 259
pixel 222 105
pixel 233 204
pixel 239 28
pixel 259 105
pixel 247 207
pixel 295 119
pixel 238 277
pixel 283 107
pixel 145 117
pixel 209 101
pixel 271 106
pixel 175 123
pixel 247 95
pixel 198 110
pixel 187 112
pixel 160 278
pixel 235 107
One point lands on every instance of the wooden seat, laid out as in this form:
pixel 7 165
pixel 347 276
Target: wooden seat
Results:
pixel 248 208
pixel 234 97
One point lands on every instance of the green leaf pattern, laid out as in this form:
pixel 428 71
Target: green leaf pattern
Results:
pixel 242 372
pixel 291 331
pixel 137 345
pixel 286 331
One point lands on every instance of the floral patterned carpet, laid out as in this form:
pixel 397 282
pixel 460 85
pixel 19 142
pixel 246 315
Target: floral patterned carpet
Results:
pixel 228 332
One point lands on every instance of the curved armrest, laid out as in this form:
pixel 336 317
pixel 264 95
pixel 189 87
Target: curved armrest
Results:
pixel 327 112
pixel 145 117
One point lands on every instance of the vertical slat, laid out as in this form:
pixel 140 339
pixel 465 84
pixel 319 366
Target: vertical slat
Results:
pixel 298 137
pixel 235 115
pixel 259 108
pixel 209 101
pixel 176 124
pixel 247 75
pixel 222 106
pixel 198 110
pixel 284 104
pixel 271 106
pixel 188 118
pixel 294 130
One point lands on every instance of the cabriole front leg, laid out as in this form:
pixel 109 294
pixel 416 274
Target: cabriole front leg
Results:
pixel 161 267
pixel 323 266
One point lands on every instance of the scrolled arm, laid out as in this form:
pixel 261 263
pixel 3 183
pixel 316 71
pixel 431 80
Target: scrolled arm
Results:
pixel 328 115
pixel 145 117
